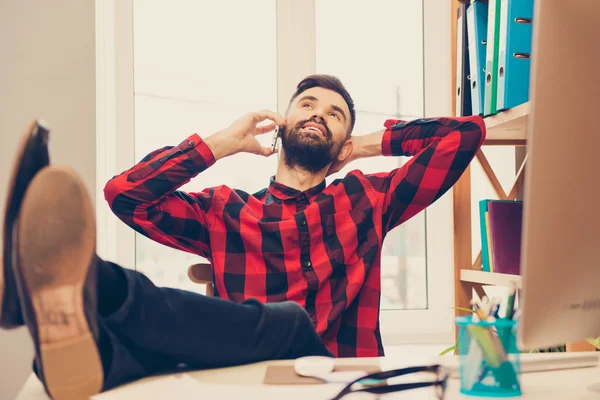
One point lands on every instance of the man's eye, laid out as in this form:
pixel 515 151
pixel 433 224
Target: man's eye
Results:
pixel 307 105
pixel 335 115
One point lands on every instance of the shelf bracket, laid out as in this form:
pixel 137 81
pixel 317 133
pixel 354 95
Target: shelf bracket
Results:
pixel 478 262
pixel 518 181
pixel 489 172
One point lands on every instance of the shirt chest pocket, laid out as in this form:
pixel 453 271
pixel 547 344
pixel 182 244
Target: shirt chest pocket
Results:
pixel 349 236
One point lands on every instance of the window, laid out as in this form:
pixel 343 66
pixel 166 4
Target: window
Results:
pixel 201 89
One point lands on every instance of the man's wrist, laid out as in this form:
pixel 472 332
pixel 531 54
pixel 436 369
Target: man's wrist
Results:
pixel 219 145
pixel 367 145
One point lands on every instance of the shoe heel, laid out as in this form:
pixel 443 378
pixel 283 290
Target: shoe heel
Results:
pixel 72 368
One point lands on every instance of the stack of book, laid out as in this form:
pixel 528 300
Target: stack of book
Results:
pixel 493 55
pixel 501 223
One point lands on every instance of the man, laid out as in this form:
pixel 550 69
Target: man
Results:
pixel 96 325
pixel 299 239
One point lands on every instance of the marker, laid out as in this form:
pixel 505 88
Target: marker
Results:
pixel 510 306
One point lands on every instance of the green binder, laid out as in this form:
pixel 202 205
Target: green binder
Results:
pixel 491 59
pixel 485 246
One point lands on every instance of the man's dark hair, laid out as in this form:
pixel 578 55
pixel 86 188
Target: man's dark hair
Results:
pixel 328 82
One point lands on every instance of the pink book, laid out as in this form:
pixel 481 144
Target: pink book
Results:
pixel 506 222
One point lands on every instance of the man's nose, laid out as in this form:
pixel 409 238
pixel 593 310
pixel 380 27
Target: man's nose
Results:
pixel 319 114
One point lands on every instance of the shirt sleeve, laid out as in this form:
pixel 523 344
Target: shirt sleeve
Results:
pixel 146 197
pixel 441 149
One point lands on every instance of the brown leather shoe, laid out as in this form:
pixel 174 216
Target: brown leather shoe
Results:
pixel 32 156
pixel 55 274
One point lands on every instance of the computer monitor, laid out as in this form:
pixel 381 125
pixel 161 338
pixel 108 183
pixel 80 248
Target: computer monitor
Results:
pixel 560 297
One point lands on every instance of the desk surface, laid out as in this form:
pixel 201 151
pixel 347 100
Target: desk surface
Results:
pixel 246 382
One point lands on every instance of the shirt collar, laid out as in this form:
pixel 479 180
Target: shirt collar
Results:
pixel 284 192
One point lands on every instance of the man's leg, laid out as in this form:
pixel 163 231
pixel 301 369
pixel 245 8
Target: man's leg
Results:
pixel 205 332
pixel 140 329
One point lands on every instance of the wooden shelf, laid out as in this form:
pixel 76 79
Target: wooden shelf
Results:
pixel 489 278
pixel 508 127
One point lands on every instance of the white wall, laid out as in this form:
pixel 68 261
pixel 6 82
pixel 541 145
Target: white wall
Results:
pixel 47 70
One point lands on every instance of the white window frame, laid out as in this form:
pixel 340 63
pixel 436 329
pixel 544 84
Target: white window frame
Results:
pixel 116 133
pixel 115 130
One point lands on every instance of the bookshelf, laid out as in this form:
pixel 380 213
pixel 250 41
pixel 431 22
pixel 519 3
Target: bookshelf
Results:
pixel 507 128
pixel 489 278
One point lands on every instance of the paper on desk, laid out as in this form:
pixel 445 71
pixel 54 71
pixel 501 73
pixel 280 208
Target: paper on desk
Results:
pixel 183 386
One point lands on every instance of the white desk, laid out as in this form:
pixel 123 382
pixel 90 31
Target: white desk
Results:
pixel 246 382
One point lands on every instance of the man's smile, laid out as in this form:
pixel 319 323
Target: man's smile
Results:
pixel 314 127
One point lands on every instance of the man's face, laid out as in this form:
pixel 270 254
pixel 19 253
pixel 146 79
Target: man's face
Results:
pixel 318 121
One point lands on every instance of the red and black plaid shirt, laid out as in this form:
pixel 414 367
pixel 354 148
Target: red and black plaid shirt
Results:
pixel 320 248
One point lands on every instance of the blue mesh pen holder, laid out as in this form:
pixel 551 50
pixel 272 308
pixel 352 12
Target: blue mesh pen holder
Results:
pixel 489 358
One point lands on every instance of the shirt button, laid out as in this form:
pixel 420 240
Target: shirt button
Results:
pixel 303 222
pixel 308 264
pixel 191 143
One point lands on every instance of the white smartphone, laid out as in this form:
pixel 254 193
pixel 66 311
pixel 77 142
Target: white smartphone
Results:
pixel 275 137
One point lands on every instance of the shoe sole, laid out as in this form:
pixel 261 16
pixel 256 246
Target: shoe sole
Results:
pixel 33 129
pixel 56 244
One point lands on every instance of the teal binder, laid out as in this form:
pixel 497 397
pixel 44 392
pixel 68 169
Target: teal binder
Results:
pixel 514 53
pixel 477 16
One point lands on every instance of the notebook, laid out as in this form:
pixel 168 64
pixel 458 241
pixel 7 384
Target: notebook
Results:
pixel 506 222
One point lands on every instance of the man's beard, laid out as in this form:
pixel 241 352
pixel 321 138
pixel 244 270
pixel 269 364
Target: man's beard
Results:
pixel 308 151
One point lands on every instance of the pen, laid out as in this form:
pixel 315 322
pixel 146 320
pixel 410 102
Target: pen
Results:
pixel 494 309
pixel 479 312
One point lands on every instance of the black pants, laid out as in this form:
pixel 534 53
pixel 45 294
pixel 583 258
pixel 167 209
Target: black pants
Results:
pixel 157 330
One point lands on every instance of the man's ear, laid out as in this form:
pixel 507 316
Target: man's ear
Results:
pixel 347 149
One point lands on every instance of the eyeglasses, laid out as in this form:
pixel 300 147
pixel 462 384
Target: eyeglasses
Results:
pixel 441 378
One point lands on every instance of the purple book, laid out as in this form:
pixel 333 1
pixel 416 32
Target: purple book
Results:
pixel 506 222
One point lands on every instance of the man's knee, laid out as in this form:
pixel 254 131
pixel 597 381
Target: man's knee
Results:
pixel 292 313
pixel 290 308
pixel 297 332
